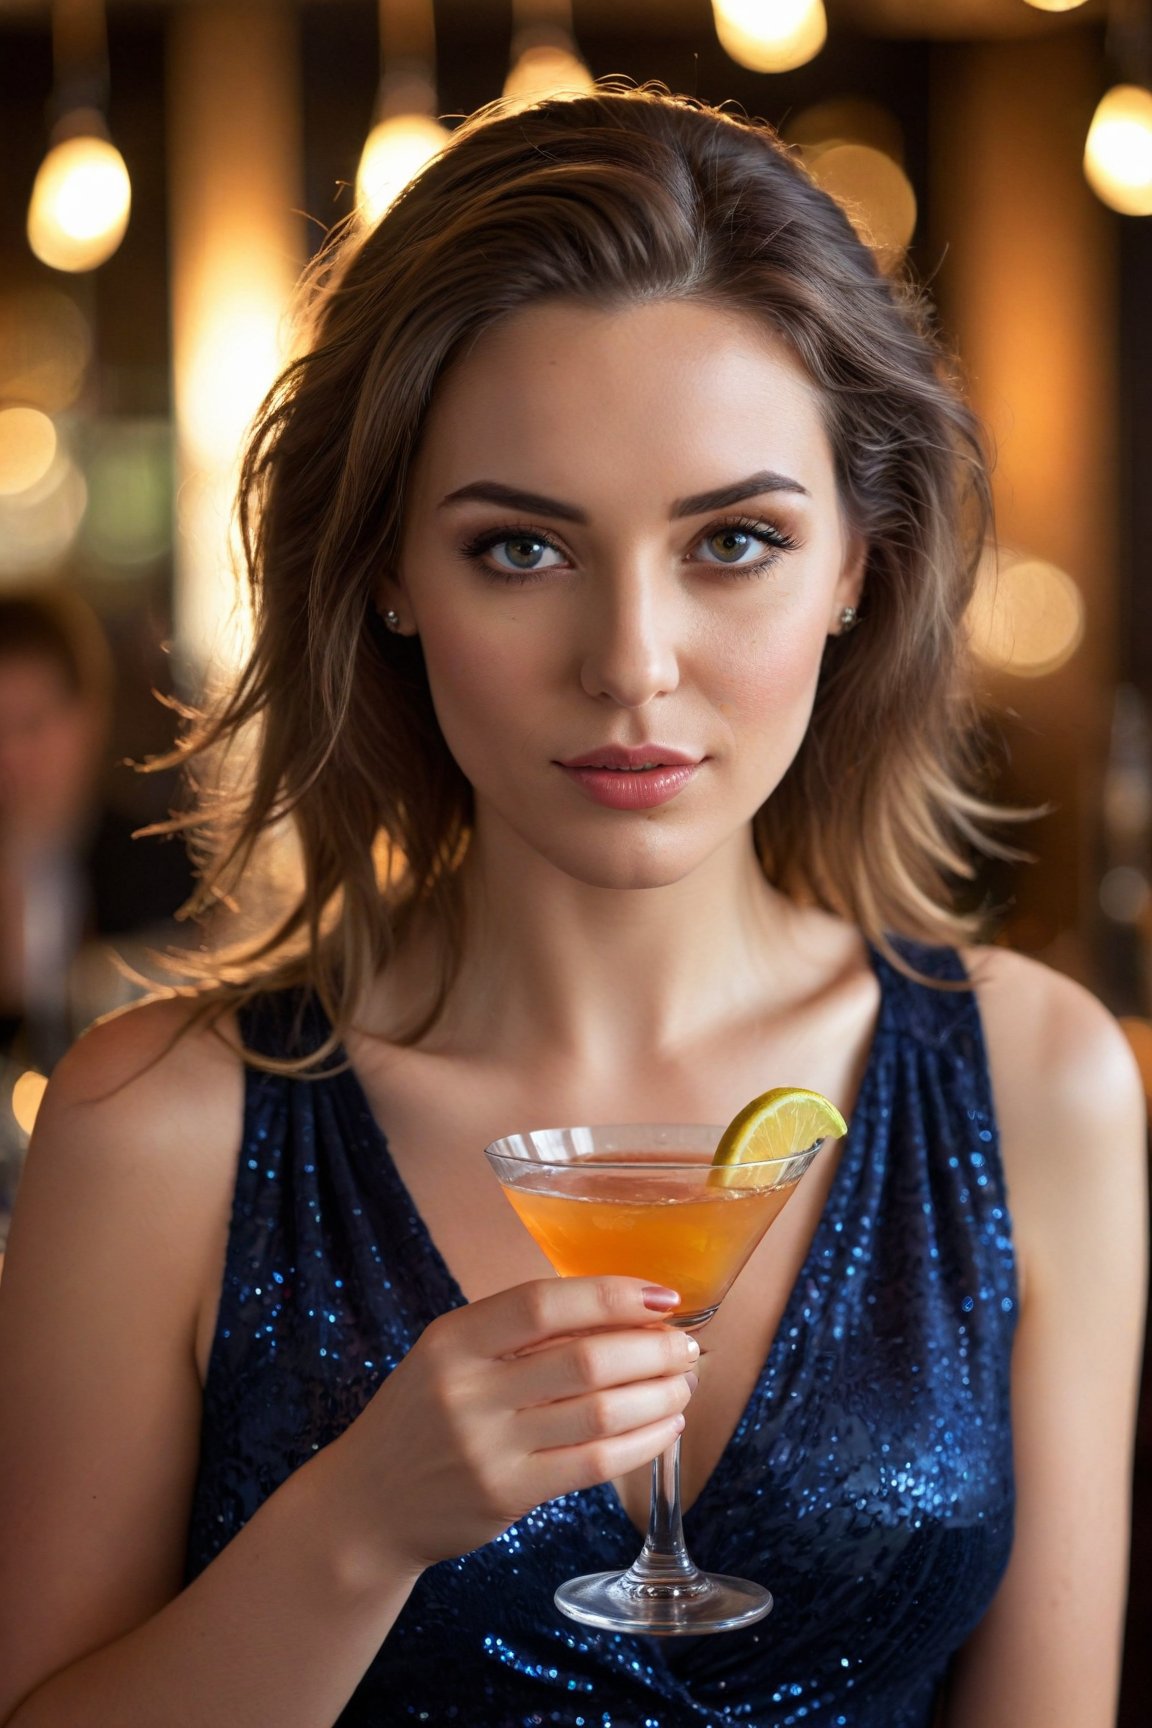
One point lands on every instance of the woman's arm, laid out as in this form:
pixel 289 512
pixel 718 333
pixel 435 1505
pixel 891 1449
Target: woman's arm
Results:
pixel 120 1216
pixel 1070 1106
pixel 119 1233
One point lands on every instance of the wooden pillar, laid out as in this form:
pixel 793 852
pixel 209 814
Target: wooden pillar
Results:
pixel 1028 289
pixel 237 245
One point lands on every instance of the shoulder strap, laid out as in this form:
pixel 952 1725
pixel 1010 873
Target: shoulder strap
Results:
pixel 284 1024
pixel 933 1001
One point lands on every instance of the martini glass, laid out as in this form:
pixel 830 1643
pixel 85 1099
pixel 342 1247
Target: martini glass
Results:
pixel 645 1201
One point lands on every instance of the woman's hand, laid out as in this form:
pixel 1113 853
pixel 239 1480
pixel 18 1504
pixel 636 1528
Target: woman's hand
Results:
pixel 511 1401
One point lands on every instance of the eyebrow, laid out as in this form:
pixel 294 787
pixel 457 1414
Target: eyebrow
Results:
pixel 493 492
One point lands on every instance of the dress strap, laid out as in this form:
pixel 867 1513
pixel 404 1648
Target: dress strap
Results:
pixel 933 1000
pixel 284 1024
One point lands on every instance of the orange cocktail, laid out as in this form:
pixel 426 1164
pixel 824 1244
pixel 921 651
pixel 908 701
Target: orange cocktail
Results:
pixel 681 1205
pixel 666 1227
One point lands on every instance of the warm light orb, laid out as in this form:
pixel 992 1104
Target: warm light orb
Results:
pixel 874 190
pixel 1118 153
pixel 395 152
pixel 27 449
pixel 45 347
pixel 547 71
pixel 27 1095
pixel 845 120
pixel 39 524
pixel 1026 616
pixel 80 204
pixel 770 35
pixel 1055 5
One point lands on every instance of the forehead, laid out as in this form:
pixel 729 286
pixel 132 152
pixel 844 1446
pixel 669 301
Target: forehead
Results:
pixel 607 398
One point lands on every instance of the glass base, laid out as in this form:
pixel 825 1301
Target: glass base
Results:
pixel 708 1602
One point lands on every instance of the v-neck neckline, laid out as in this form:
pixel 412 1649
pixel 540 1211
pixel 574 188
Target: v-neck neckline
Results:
pixel 843 1179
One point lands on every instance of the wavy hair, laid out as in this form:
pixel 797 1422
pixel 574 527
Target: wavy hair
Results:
pixel 616 197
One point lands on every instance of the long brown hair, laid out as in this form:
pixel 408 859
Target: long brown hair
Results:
pixel 619 196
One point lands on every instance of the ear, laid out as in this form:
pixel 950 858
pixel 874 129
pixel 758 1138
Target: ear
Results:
pixel 850 584
pixel 391 602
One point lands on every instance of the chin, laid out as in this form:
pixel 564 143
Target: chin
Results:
pixel 644 861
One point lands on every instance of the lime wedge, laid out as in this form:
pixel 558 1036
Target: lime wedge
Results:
pixel 778 1124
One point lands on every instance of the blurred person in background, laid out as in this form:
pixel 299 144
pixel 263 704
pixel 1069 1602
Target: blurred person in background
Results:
pixel 72 878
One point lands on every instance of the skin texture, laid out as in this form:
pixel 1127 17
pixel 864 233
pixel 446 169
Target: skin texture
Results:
pixel 621 966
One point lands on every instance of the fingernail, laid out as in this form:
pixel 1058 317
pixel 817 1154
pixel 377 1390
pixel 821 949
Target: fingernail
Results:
pixel 693 1380
pixel 693 1347
pixel 660 1298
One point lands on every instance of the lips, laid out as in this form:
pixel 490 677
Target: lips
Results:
pixel 636 757
pixel 639 777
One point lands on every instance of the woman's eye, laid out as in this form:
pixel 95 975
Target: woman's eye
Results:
pixel 737 545
pixel 522 552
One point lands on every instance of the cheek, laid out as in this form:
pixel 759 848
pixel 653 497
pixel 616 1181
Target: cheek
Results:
pixel 485 687
pixel 769 676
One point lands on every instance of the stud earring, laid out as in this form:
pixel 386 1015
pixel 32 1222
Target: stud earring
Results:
pixel 849 618
pixel 392 620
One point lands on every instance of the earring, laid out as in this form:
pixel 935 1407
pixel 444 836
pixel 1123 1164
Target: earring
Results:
pixel 849 618
pixel 392 620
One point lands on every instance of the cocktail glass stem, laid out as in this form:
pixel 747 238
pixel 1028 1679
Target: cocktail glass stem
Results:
pixel 663 1567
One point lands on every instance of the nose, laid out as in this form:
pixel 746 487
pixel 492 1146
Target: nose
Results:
pixel 631 652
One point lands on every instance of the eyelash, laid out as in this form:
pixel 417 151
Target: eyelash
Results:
pixel 475 548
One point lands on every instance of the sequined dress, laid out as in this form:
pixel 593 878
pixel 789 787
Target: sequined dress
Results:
pixel 868 1483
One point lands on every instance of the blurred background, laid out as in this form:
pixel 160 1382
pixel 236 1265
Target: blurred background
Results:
pixel 170 165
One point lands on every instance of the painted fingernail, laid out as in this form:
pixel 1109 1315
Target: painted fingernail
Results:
pixel 660 1298
pixel 693 1380
pixel 693 1347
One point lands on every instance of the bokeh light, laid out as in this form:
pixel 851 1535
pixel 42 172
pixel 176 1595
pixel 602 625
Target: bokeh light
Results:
pixel 1118 153
pixel 1026 616
pixel 128 467
pixel 846 120
pixel 27 449
pixel 394 153
pixel 45 347
pixel 875 192
pixel 80 204
pixel 27 1096
pixel 1124 894
pixel 545 70
pixel 40 524
pixel 770 35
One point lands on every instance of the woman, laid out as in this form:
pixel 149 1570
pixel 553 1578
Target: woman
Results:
pixel 603 441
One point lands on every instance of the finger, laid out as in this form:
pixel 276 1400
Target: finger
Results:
pixel 569 1468
pixel 593 1361
pixel 519 1318
pixel 602 1415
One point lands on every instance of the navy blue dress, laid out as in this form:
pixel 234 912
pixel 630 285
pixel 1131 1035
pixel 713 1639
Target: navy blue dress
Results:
pixel 868 1483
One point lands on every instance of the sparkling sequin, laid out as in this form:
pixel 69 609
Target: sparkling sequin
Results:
pixel 868 1482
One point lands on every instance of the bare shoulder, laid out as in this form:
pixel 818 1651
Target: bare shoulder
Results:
pixel 1053 1047
pixel 164 1041
pixel 147 1080
pixel 1070 1106
pixel 144 1113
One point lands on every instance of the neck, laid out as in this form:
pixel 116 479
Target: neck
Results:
pixel 610 976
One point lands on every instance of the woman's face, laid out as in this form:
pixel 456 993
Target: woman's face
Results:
pixel 622 665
